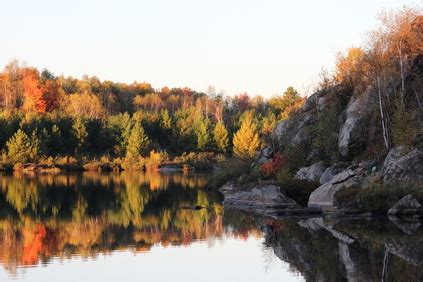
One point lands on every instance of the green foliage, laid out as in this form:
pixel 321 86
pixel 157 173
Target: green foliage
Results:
pixel 402 125
pixel 80 133
pixel 296 189
pixel 22 148
pixel 138 141
pixel 378 198
pixel 328 123
pixel 165 119
pixel 229 170
pixel 202 134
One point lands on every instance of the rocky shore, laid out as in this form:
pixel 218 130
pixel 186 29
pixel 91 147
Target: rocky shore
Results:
pixel 348 162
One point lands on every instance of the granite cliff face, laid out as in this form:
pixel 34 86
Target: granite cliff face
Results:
pixel 337 139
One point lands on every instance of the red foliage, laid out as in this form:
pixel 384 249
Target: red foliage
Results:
pixel 51 95
pixel 271 167
pixel 242 101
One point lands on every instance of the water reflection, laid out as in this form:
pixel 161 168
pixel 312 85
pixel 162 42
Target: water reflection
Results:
pixel 48 217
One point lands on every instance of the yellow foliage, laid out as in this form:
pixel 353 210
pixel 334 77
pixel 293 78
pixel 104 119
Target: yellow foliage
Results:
pixel 246 141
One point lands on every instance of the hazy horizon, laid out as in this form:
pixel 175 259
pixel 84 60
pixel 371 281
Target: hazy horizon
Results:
pixel 241 46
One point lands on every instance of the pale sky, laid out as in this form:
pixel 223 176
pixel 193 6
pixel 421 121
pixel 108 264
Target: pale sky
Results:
pixel 260 46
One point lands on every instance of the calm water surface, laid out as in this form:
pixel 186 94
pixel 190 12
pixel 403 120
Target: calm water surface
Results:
pixel 137 226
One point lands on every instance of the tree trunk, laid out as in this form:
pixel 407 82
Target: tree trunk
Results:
pixel 382 115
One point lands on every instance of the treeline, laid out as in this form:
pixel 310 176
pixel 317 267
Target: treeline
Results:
pixel 43 115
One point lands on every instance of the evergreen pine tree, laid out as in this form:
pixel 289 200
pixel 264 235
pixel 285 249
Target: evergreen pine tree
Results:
pixel 80 133
pixel 22 148
pixel 138 141
pixel 202 133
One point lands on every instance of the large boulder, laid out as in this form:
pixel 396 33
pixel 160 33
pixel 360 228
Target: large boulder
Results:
pixel 408 205
pixel 311 173
pixel 353 133
pixel 324 196
pixel 400 166
pixel 330 172
pixel 258 199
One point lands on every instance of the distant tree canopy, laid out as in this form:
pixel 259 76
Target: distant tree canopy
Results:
pixel 70 116
pixel 87 116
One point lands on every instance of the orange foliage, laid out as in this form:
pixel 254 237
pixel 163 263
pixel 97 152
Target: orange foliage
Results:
pixel 33 93
pixel 39 97
pixel 34 245
pixel 51 95
pixel 271 167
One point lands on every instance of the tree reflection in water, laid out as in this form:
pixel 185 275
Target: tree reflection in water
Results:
pixel 63 215
pixel 45 216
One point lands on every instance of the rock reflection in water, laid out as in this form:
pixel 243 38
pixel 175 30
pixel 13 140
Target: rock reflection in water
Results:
pixel 86 215
pixel 348 249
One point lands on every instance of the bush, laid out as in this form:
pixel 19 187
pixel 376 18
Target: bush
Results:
pixel 378 198
pixel 200 161
pixel 229 170
pixel 271 167
pixel 296 189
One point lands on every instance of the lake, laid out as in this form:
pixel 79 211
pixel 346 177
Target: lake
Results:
pixel 169 227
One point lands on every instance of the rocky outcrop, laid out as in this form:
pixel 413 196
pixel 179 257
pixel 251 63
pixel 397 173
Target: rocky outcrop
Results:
pixel 311 173
pixel 353 133
pixel 264 199
pixel 324 196
pixel 401 166
pixel 330 172
pixel 297 130
pixel 406 206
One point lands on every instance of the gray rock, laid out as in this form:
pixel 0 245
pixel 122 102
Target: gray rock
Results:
pixel 324 196
pixel 321 103
pixel 264 155
pixel 330 172
pixel 311 173
pixel 343 176
pixel 259 199
pixel 302 137
pixel 406 206
pixel 399 166
pixel 409 227
pixel 353 133
pixel 315 155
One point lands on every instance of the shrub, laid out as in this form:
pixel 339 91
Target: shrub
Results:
pixel 296 189
pixel 271 167
pixel 229 170
pixel 200 161
pixel 378 198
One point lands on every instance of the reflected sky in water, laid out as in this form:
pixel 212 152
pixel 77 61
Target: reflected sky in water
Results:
pixel 127 227
pixel 137 226
pixel 229 259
